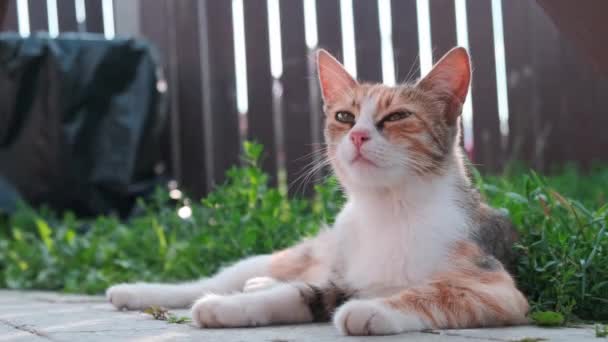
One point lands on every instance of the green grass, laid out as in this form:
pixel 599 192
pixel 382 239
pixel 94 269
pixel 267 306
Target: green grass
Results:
pixel 601 331
pixel 547 318
pixel 564 242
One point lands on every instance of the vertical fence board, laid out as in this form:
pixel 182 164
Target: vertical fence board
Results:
pixel 328 27
pixel 8 16
pixel 574 30
pixel 572 80
pixel 486 130
pixel 189 90
pixel 330 38
pixel 127 17
pixel 94 19
pixel 550 124
pixel 296 112
pixel 520 79
pixel 219 86
pixel 66 13
pixel 367 40
pixel 599 122
pixel 405 40
pixel 39 20
pixel 260 117
pixel 443 26
pixel 581 25
pixel 156 25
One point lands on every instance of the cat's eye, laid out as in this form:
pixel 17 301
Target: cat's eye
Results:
pixel 345 117
pixel 396 116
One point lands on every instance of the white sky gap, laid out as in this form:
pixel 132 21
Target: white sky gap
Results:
pixel 240 58
pixel 424 36
pixel 274 38
pixel 107 8
pixel 462 38
pixel 386 34
pixel 310 24
pixel 81 12
pixel 501 67
pixel 51 10
pixel 23 14
pixel 348 36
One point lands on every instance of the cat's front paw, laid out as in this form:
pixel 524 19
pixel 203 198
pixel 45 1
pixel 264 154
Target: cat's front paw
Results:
pixel 125 296
pixel 373 317
pixel 259 283
pixel 215 311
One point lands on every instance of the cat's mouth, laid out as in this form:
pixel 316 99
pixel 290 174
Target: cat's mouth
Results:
pixel 360 159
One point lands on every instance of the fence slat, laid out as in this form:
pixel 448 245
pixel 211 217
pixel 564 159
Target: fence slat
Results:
pixel 220 109
pixel 39 20
pixel 405 40
pixel 330 38
pixel 8 16
pixel 66 13
pixel 94 19
pixel 567 82
pixel 367 40
pixel 588 18
pixel 550 124
pixel 127 17
pixel 520 79
pixel 156 25
pixel 189 91
pixel 597 120
pixel 443 26
pixel 296 111
pixel 488 152
pixel 328 27
pixel 260 114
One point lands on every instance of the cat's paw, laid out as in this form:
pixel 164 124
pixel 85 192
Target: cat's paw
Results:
pixel 125 296
pixel 373 317
pixel 259 283
pixel 216 311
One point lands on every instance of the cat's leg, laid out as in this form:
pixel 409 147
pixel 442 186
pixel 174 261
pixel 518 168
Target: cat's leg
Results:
pixel 260 283
pixel 455 300
pixel 231 279
pixel 293 302
pixel 301 262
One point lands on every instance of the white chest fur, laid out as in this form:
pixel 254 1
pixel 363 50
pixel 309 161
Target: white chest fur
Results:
pixel 394 241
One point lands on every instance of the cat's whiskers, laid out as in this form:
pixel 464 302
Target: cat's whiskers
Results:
pixel 320 160
pixel 412 72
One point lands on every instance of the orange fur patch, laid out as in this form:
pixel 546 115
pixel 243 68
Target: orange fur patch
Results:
pixel 468 296
pixel 291 264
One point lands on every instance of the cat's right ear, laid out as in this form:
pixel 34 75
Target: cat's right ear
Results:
pixel 333 77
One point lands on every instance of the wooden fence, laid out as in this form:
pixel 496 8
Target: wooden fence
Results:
pixel 555 97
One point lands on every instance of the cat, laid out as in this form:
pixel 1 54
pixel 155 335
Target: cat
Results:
pixel 413 248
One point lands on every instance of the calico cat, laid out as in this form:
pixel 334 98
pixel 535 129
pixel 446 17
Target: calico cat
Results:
pixel 414 246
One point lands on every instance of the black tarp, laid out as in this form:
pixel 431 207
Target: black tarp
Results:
pixel 80 120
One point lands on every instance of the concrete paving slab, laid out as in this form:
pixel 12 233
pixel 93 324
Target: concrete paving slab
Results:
pixel 41 316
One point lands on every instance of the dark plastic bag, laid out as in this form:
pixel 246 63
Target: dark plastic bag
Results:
pixel 80 121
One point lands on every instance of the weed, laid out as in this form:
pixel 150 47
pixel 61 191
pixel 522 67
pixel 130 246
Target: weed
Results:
pixel 159 313
pixel 547 318
pixel 601 330
pixel 162 314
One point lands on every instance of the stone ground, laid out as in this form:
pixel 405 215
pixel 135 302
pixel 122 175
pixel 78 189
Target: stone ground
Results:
pixel 39 316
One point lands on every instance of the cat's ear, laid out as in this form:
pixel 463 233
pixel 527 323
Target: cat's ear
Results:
pixel 450 77
pixel 333 77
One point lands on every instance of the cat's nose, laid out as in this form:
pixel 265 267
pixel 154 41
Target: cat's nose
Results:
pixel 359 137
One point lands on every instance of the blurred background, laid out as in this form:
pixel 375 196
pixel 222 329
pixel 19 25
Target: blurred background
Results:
pixel 101 100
